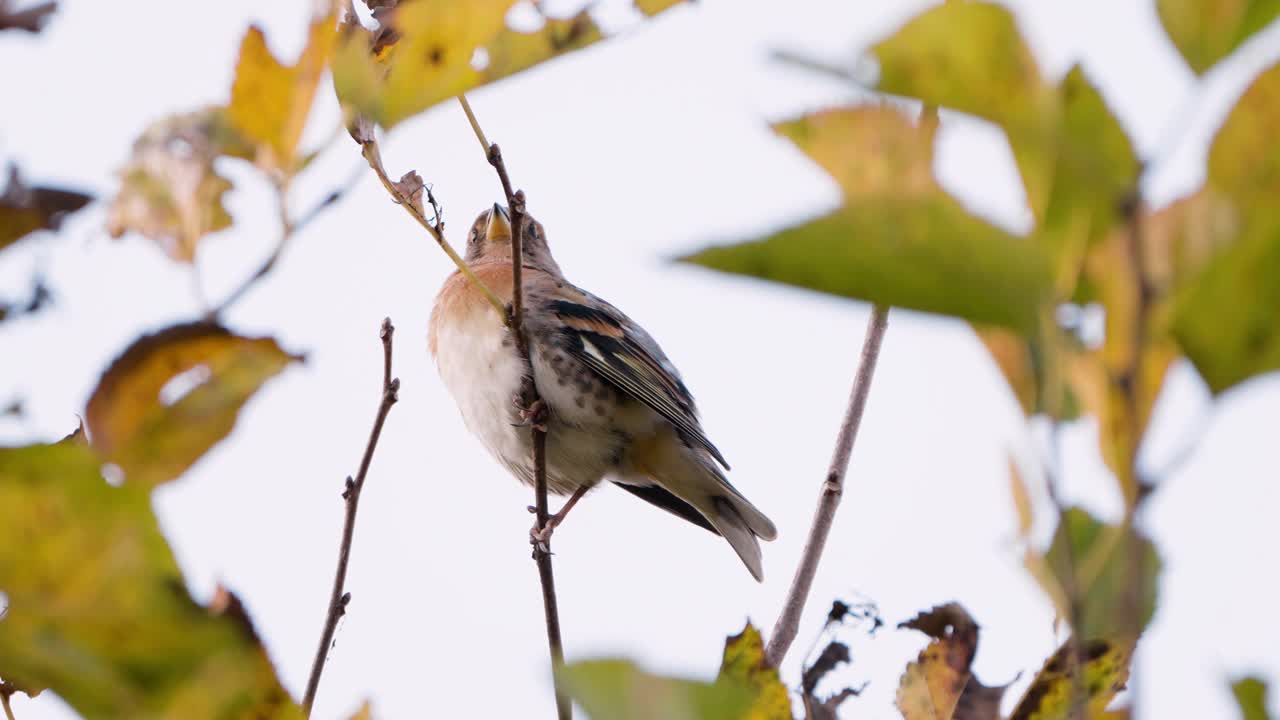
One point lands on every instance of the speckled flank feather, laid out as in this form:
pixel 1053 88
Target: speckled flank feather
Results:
pixel 618 408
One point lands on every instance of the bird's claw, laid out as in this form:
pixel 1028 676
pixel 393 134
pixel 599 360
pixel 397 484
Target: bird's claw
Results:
pixel 540 537
pixel 534 415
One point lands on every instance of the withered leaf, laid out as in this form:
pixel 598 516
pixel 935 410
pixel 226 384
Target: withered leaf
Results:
pixel 1087 677
pixel 169 189
pixel 24 210
pixel 940 684
pixel 30 20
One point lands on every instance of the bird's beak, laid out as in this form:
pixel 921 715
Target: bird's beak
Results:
pixel 499 229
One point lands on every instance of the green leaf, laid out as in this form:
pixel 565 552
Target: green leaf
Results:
pixel 1097 562
pixel 1226 319
pixel 1099 670
pixel 24 210
pixel 270 101
pixel 744 665
pixel 926 255
pixel 98 610
pixel 899 239
pixel 1251 696
pixel 173 395
pixel 1206 31
pixel 432 50
pixel 969 56
pixel 618 690
pixel 1094 175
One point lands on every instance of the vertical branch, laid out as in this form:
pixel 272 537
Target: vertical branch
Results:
pixel 784 631
pixel 338 598
pixel 1132 384
pixel 534 405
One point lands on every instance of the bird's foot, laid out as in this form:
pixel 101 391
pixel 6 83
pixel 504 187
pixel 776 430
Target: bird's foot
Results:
pixel 534 415
pixel 540 535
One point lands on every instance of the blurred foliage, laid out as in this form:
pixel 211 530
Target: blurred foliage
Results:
pixel 1206 31
pixel 1251 696
pixel 172 395
pixel 902 219
pixel 24 210
pixel 98 612
pixel 429 51
pixel 746 690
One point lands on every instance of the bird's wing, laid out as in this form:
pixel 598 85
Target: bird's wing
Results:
pixel 621 352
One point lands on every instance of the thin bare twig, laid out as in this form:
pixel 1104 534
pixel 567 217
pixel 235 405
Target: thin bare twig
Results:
pixel 784 631
pixel 372 155
pixel 338 598
pixel 288 229
pixel 533 403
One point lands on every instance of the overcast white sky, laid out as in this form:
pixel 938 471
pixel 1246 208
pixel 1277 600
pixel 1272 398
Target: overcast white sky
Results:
pixel 630 152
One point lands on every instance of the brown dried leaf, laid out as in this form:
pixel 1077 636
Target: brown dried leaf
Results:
pixel 940 685
pixel 30 20
pixel 411 187
pixel 24 210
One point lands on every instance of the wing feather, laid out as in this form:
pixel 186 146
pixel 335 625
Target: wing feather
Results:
pixel 620 352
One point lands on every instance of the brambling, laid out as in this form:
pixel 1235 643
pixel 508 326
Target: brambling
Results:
pixel 617 407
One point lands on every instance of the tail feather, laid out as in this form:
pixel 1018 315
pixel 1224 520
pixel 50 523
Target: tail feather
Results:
pixel 725 517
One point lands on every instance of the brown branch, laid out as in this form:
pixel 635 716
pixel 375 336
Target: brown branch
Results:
pixel 6 691
pixel 338 598
pixel 533 403
pixel 784 631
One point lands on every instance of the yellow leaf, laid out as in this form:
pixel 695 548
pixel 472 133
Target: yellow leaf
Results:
pixel 744 665
pixel 172 395
pixel 270 101
pixel 1098 671
pixel 98 610
pixel 428 51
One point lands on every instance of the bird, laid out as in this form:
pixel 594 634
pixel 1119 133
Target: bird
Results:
pixel 616 409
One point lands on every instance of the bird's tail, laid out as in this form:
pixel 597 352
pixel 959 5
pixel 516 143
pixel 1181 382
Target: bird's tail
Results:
pixel 694 478
pixel 740 522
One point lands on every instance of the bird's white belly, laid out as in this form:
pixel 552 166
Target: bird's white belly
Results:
pixel 483 374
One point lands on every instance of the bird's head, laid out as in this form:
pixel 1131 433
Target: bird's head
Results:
pixel 490 240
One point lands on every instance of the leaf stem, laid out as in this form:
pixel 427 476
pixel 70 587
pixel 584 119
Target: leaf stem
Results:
pixel 338 598
pixel 784 631
pixel 369 149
